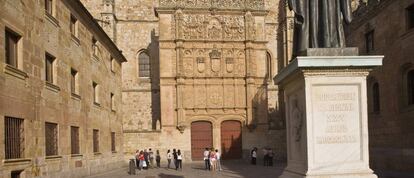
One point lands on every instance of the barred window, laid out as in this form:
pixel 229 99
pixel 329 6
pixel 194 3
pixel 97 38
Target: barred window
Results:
pixel 51 134
pixel 376 97
pixel 49 60
pixel 11 47
pixel 14 137
pixel 144 65
pixel 410 87
pixel 113 144
pixel 95 140
pixel 74 140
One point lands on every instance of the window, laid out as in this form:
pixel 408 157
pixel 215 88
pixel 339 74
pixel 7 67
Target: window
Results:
pixel 11 46
pixel 410 17
pixel 113 145
pixel 94 47
pixel 410 87
pixel 49 67
pixel 376 98
pixel 74 140
pixel 73 26
pixel 13 138
pixel 16 174
pixel 113 63
pixel 268 66
pixel 144 65
pixel 95 140
pixel 112 102
pixel 73 81
pixel 95 93
pixel 49 6
pixel 51 139
pixel 369 41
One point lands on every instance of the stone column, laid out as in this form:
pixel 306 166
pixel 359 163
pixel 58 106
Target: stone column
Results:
pixel 325 98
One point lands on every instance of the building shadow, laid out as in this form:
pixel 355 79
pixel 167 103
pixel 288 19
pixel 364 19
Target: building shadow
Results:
pixel 162 175
pixel 153 49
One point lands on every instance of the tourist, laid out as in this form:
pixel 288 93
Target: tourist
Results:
pixel 169 157
pixel 213 160
pixel 151 158
pixel 146 157
pixel 253 155
pixel 265 157
pixel 175 158
pixel 142 162
pixel 179 160
pixel 206 158
pixel 218 157
pixel 137 158
pixel 271 154
pixel 158 159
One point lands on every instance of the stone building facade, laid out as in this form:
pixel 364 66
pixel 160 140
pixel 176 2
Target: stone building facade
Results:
pixel 194 74
pixel 386 27
pixel 60 100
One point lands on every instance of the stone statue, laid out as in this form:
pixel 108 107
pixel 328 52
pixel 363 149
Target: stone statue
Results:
pixel 319 23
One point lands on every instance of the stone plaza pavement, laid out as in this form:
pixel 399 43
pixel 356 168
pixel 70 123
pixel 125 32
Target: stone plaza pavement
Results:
pixel 231 169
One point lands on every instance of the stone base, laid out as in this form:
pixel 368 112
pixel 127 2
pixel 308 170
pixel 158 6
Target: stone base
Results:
pixel 288 174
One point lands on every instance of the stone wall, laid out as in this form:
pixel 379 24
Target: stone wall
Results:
pixel 25 94
pixel 391 137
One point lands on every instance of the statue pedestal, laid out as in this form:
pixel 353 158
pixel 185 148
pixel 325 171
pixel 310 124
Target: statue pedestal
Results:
pixel 326 116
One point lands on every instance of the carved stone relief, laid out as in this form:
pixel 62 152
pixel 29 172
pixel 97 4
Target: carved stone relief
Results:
pixel 216 4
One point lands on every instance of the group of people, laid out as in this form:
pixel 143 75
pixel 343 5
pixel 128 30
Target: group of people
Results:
pixel 145 159
pixel 267 156
pixel 212 159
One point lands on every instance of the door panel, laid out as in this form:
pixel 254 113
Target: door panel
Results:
pixel 201 138
pixel 231 140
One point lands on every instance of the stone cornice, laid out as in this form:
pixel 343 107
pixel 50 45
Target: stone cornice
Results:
pixel 366 12
pixel 92 25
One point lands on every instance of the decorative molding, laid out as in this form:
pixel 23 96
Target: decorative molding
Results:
pixel 214 4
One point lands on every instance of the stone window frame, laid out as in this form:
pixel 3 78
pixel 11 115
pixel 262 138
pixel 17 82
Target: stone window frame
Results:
pixel 14 124
pixel 113 142
pixel 50 68
pixel 74 82
pixel 409 11
pixel 113 103
pixel 407 105
pixel 269 68
pixel 113 64
pixel 95 48
pixel 139 60
pixel 17 56
pixel 370 41
pixel 74 27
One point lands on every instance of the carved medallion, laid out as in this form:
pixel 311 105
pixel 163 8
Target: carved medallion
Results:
pixel 201 65
pixel 215 57
pixel 229 65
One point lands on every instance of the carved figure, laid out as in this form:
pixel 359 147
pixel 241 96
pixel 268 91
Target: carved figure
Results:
pixel 319 23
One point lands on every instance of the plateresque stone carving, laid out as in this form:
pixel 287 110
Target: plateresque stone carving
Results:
pixel 217 4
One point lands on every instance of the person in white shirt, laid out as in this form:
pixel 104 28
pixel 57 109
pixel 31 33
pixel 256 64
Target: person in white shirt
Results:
pixel 206 158
pixel 254 155
pixel 218 157
pixel 169 157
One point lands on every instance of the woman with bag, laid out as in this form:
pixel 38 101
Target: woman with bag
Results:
pixel 169 157
pixel 179 160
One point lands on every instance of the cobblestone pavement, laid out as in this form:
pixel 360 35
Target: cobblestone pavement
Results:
pixel 231 169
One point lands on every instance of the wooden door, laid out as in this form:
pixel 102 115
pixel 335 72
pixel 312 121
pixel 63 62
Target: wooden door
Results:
pixel 231 140
pixel 201 138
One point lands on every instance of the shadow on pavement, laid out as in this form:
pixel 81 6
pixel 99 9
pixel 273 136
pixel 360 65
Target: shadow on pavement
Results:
pixel 162 175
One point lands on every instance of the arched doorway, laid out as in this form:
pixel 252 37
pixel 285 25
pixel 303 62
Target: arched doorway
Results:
pixel 201 138
pixel 231 140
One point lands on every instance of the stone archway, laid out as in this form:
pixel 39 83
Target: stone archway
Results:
pixel 201 138
pixel 231 139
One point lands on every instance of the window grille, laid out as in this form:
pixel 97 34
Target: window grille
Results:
pixel 51 135
pixel 14 138
pixel 144 65
pixel 74 140
pixel 95 140
pixel 113 144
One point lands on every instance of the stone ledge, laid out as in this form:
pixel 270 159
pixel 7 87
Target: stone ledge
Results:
pixel 17 161
pixel 15 72
pixel 52 19
pixel 324 62
pixel 52 87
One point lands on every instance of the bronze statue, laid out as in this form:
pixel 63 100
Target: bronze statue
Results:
pixel 319 23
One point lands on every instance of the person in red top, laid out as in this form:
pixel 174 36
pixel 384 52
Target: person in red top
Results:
pixel 142 162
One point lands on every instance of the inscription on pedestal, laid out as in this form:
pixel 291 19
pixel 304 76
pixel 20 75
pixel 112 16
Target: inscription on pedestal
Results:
pixel 336 123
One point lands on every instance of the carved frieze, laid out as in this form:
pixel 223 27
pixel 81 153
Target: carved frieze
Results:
pixel 211 27
pixel 214 4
